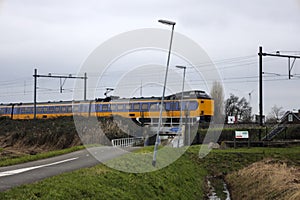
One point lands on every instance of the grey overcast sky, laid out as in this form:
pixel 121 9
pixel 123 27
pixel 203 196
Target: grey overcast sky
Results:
pixel 58 35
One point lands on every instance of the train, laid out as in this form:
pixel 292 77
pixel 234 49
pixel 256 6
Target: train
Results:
pixel 195 104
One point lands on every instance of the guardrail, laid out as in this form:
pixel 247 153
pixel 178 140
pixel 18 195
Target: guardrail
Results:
pixel 126 142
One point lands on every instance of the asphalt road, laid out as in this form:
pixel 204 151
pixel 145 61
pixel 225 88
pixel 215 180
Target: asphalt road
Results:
pixel 30 172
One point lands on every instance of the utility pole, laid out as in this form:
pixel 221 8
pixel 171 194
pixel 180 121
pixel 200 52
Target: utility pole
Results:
pixel 34 95
pixel 290 67
pixel 260 92
pixel 61 85
pixel 85 85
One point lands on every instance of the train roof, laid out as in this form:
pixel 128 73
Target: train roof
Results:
pixel 187 94
pixel 191 94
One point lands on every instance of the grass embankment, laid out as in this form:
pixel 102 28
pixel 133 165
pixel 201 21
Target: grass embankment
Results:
pixel 21 139
pixel 6 161
pixel 183 179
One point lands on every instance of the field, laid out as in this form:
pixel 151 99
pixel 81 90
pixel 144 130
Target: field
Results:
pixel 186 178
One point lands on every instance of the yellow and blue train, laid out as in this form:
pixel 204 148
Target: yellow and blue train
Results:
pixel 196 104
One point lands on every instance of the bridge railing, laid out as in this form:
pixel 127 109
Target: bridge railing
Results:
pixel 126 142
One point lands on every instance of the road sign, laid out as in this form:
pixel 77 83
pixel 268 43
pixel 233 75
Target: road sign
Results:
pixel 175 129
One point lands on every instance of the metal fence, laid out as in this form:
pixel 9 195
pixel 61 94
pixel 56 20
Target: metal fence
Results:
pixel 126 142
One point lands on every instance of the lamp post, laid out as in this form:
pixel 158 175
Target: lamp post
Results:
pixel 169 23
pixel 181 103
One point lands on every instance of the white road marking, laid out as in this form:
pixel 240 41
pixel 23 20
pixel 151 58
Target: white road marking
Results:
pixel 18 171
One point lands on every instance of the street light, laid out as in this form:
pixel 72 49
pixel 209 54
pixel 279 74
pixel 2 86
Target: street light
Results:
pixel 166 22
pixel 169 23
pixel 181 104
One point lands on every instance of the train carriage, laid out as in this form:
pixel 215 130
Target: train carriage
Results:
pixel 196 104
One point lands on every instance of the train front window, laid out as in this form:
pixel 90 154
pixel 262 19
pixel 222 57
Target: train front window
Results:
pixel 193 105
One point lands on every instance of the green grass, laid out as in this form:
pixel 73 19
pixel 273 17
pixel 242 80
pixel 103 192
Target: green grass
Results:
pixel 183 179
pixel 219 163
pixel 4 161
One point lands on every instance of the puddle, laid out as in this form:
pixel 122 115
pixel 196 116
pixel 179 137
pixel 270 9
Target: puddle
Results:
pixel 213 195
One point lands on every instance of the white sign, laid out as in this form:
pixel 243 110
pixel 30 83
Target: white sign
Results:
pixel 231 119
pixel 241 134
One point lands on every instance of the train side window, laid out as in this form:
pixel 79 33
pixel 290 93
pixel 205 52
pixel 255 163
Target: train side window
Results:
pixel 63 109
pixel 120 107
pixel 16 111
pixel 30 110
pixel 105 108
pixel 93 108
pixel 174 106
pixel 98 107
pixel 167 106
pixel 51 109
pixel 57 109
pixel 84 107
pixel 136 106
pixel 113 107
pixel 69 108
pixel 145 107
pixel 154 106
pixel 127 106
pixel 45 109
pixel 8 110
pixel 181 104
pixel 39 110
pixel 76 108
pixel 3 111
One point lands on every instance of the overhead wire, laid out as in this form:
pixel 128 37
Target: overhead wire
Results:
pixel 225 64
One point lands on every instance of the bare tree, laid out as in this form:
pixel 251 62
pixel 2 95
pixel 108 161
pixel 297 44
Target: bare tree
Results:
pixel 217 93
pixel 275 114
pixel 239 108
